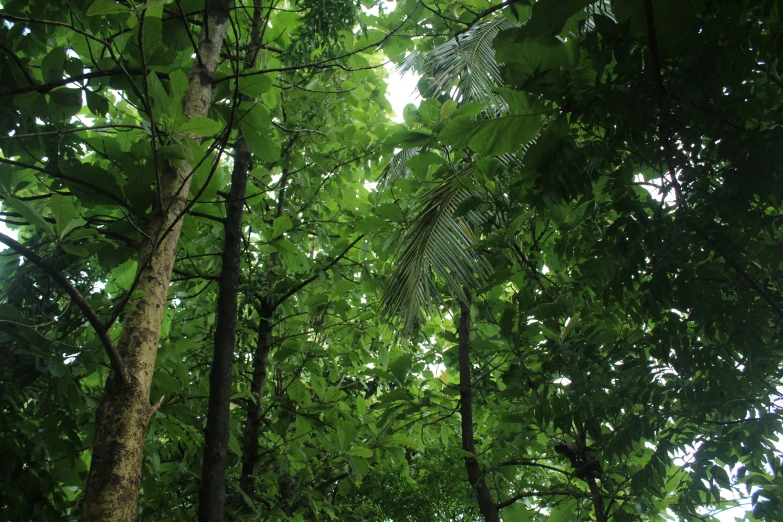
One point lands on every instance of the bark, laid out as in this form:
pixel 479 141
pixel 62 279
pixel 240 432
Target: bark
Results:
pixel 598 499
pixel 489 509
pixel 212 493
pixel 124 413
pixel 253 425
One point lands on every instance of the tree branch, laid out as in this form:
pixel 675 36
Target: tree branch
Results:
pixel 114 356
pixel 313 277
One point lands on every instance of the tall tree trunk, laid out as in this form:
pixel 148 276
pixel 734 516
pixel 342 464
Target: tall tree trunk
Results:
pixel 253 424
pixel 212 493
pixel 486 503
pixel 124 413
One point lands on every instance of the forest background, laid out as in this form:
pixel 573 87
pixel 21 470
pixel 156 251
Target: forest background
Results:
pixel 237 290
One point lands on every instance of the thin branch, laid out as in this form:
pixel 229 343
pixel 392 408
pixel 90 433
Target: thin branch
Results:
pixel 19 64
pixel 114 356
pixel 520 496
pixel 46 87
pixel 57 175
pixel 58 132
pixel 313 277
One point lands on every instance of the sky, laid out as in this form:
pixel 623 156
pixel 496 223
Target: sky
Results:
pixel 401 90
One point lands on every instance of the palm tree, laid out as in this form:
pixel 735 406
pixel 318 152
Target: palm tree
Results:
pixel 437 239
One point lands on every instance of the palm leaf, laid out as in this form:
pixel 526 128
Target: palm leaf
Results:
pixel 466 64
pixel 436 242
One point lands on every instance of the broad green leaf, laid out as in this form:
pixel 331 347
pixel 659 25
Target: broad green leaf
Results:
pixel 458 131
pixel 233 445
pixel 361 451
pixel 201 126
pixel 506 134
pixel 370 223
pixel 96 103
pixel 400 367
pixel 429 110
pixel 405 139
pixel 264 148
pixel 124 275
pixel 179 85
pixel 64 214
pixel 53 64
pixel 549 16
pixel 254 85
pixel 30 214
pixel 281 225
pixel 447 109
pixel 64 103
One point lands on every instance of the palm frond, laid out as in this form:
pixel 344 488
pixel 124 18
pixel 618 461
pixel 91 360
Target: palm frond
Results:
pixel 436 242
pixel 465 63
pixel 396 167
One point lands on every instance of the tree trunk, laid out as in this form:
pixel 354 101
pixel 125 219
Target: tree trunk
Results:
pixel 486 503
pixel 253 425
pixel 212 493
pixel 124 413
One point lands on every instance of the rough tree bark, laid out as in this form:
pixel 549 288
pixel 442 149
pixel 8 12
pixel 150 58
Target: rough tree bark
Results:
pixel 124 413
pixel 489 509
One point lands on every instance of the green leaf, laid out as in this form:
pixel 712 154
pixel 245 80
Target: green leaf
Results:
pixel 63 212
pixel 97 104
pixel 469 109
pixel 179 85
pixel 505 134
pixel 53 64
pixel 30 214
pixel 420 163
pixel 201 126
pixel 429 110
pixel 106 7
pixel 264 148
pixel 281 225
pixel 361 451
pixel 400 367
pixel 458 131
pixel 233 445
pixel 447 109
pixel 64 103
pixel 370 223
pixel 550 16
pixel 405 139
pixel 254 85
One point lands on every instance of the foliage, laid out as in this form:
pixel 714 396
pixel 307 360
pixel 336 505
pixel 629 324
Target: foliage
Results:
pixel 601 178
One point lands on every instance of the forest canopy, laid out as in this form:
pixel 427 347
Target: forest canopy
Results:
pixel 234 288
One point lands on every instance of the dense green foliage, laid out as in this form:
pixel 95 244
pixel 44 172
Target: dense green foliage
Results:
pixel 601 179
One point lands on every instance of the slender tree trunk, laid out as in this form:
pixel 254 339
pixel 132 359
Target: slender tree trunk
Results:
pixel 598 499
pixel 124 413
pixel 260 364
pixel 486 503
pixel 212 493
pixel 253 425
